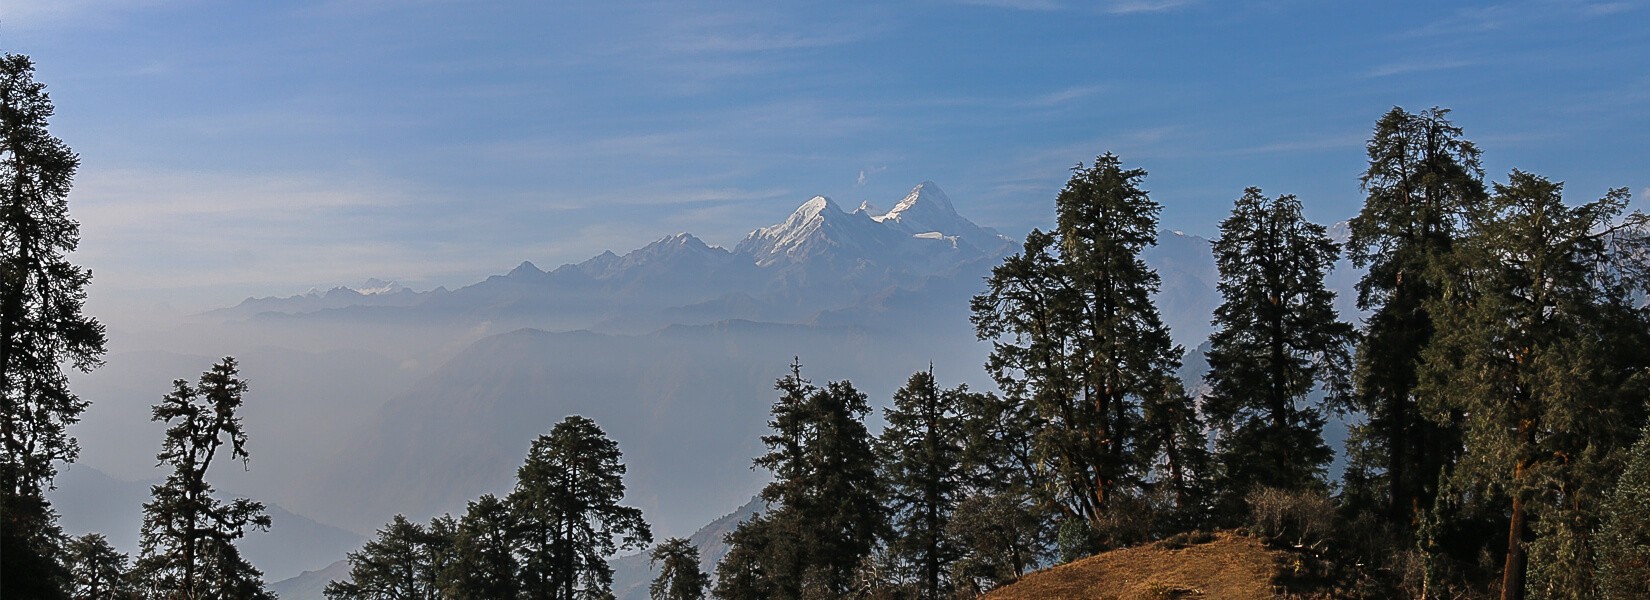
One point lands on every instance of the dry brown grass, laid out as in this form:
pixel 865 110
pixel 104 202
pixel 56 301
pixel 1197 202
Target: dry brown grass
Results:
pixel 1231 566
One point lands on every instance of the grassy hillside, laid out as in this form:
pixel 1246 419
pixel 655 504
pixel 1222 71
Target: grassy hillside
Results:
pixel 1220 565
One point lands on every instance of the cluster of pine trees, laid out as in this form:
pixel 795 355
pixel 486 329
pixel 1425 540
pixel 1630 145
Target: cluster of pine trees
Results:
pixel 1501 376
pixel 1499 382
pixel 549 538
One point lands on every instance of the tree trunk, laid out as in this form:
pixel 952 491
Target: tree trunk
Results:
pixel 1396 441
pixel 1512 575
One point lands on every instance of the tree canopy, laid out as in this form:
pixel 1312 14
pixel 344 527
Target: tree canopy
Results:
pixel 188 539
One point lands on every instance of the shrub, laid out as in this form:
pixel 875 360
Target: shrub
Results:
pixel 1299 517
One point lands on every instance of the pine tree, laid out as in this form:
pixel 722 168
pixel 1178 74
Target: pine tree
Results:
pixel 826 517
pixel 1001 537
pixel 441 542
pixel 921 457
pixel 99 571
pixel 756 564
pixel 1624 536
pixel 1175 445
pixel 1421 180
pixel 42 329
pixel 188 539
pixel 398 565
pixel 567 501
pixel 1539 343
pixel 1276 339
pixel 1077 339
pixel 484 564
pixel 679 575
pixel 999 526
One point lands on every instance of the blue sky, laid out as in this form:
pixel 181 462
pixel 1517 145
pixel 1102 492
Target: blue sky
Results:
pixel 254 148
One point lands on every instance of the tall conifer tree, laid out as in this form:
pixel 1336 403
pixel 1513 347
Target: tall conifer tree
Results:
pixel 567 499
pixel 922 469
pixel 398 565
pixel 679 575
pixel 826 516
pixel 42 330
pixel 1077 339
pixel 188 539
pixel 1539 342
pixel 484 562
pixel 100 572
pixel 1276 339
pixel 1422 178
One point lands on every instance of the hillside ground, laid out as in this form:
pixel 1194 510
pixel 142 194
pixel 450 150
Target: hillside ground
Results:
pixel 1223 565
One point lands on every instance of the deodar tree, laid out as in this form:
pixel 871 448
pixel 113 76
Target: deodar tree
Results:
pixel 567 501
pixel 921 458
pixel 188 540
pixel 825 518
pixel 401 564
pixel 1276 339
pixel 42 329
pixel 484 562
pixel 1539 344
pixel 1422 178
pixel 680 577
pixel 99 571
pixel 1076 339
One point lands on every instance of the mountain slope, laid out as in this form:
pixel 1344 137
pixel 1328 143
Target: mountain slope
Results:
pixel 632 574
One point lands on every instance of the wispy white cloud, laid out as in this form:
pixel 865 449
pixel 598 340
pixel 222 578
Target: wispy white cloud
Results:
pixel 1481 19
pixel 1421 66
pixel 1034 5
pixel 1599 9
pixel 759 42
pixel 1129 7
pixel 141 198
pixel 1466 20
pixel 1115 7
pixel 866 172
pixel 1060 97
pixel 144 229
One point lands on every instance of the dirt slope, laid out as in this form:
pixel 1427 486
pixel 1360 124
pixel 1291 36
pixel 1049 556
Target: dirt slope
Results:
pixel 1229 567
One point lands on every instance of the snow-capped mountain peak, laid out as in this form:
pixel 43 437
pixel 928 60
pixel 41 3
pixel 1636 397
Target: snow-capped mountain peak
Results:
pixel 926 209
pixel 818 221
pixel 926 203
pixel 376 286
pixel 813 208
pixel 905 235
